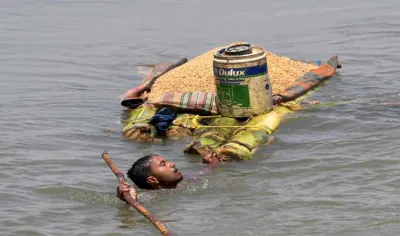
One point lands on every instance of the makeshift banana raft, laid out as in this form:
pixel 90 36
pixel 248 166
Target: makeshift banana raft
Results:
pixel 185 113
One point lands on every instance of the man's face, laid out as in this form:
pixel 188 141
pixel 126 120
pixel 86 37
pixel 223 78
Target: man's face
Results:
pixel 165 172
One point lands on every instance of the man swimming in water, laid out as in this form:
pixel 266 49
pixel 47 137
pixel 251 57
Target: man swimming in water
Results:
pixel 155 172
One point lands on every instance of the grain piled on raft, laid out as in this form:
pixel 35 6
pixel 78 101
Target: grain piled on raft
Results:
pixel 194 76
pixel 284 71
pixel 197 75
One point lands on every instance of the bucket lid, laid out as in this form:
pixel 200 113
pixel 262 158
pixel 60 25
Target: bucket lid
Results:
pixel 239 49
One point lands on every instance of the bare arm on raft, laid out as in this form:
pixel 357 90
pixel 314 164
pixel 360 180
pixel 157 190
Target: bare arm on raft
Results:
pixel 211 159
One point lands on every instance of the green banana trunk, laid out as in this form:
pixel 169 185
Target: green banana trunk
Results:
pixel 177 132
pixel 182 126
pixel 221 129
pixel 248 139
pixel 137 126
pixel 186 120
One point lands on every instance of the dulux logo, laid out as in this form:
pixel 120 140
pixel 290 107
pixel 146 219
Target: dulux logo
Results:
pixel 229 72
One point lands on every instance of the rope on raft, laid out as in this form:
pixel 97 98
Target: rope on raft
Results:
pixel 235 126
pixel 198 126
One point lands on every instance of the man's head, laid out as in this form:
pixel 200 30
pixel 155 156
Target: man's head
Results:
pixel 154 172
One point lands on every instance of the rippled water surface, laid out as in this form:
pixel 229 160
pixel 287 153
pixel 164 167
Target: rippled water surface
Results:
pixel 332 169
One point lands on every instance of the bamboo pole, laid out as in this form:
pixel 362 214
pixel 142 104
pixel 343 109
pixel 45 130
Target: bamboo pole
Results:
pixel 129 195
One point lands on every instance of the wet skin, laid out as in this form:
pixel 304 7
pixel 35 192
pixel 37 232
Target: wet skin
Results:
pixel 164 173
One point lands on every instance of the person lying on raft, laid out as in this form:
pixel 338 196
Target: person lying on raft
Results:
pixel 155 172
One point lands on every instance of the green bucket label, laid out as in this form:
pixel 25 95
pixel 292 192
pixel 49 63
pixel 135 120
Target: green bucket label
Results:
pixel 232 84
pixel 233 95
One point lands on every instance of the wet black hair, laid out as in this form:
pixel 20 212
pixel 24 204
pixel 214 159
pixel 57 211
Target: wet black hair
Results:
pixel 139 172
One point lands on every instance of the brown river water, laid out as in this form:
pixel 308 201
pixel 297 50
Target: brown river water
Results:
pixel 332 169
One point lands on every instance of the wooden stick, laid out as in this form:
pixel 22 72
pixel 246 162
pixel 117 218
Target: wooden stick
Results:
pixel 127 196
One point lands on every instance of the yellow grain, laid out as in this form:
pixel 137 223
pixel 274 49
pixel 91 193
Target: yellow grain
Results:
pixel 197 75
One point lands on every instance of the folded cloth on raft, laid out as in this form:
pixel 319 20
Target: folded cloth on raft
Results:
pixel 201 103
pixel 162 120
